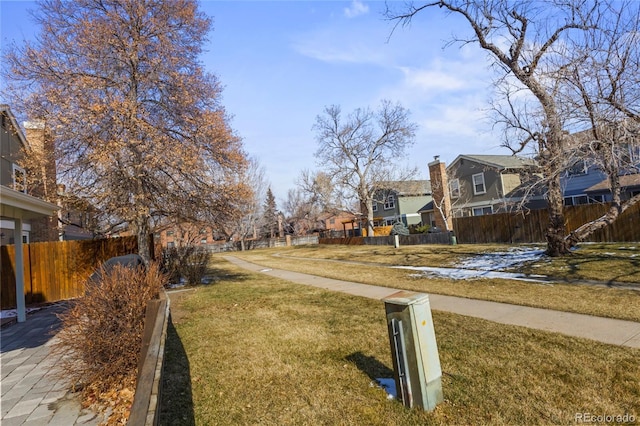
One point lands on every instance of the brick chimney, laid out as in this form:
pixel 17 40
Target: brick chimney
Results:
pixel 42 174
pixel 440 193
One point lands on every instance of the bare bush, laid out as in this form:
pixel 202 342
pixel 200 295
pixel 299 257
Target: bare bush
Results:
pixel 101 335
pixel 189 262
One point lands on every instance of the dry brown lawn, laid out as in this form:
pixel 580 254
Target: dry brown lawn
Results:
pixel 252 349
pixel 370 265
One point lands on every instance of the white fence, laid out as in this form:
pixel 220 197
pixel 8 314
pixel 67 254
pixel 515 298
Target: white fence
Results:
pixel 264 243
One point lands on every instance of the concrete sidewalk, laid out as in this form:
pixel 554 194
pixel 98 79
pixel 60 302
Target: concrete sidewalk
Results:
pixel 606 330
pixel 31 393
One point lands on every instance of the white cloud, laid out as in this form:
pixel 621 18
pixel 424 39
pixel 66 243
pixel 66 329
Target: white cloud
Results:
pixel 357 8
pixel 353 52
pixel 431 80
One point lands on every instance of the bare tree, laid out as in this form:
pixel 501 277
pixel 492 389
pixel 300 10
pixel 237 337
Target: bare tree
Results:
pixel 535 48
pixel 364 150
pixel 303 215
pixel 320 191
pixel 138 125
pixel 244 215
pixel 314 197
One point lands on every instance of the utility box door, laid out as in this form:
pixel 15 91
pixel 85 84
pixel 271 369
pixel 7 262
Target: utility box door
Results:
pixel 414 350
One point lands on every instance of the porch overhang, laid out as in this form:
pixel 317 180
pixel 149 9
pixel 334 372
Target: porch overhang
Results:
pixel 19 206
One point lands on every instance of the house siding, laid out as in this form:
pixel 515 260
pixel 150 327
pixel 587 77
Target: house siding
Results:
pixel 10 153
pixel 464 174
pixel 510 181
pixel 577 184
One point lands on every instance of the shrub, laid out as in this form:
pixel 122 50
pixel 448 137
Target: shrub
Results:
pixel 188 262
pixel 101 335
pixel 419 229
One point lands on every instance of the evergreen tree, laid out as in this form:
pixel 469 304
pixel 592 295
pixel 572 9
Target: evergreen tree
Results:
pixel 270 217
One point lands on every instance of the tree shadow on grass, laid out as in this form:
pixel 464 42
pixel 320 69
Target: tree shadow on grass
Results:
pixel 370 366
pixel 176 401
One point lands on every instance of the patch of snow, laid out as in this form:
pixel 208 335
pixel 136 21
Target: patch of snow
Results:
pixel 10 313
pixel 466 274
pixel 265 270
pixel 488 265
pixel 499 261
pixel 175 285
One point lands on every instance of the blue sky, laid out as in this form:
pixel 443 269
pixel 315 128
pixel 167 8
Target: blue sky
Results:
pixel 282 62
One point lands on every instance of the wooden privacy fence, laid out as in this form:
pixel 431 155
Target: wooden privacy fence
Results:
pixel 530 227
pixel 56 270
pixel 388 240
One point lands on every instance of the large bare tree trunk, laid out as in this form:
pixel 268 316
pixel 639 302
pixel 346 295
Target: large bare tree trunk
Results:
pixel 142 233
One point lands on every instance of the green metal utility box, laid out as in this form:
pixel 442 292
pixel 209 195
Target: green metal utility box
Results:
pixel 416 363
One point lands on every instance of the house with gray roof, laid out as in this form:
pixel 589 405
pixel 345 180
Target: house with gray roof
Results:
pixel 487 184
pixel 399 201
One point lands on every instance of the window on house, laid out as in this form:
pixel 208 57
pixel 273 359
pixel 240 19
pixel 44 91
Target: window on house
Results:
pixel 581 199
pixel 375 207
pixel 454 188
pixel 631 153
pixel 389 222
pixel 332 221
pixel 576 200
pixel 169 233
pixel 478 184
pixel 596 199
pixel 203 241
pixel 390 203
pixel 432 220
pixel 481 211
pixel 171 244
pixel 19 179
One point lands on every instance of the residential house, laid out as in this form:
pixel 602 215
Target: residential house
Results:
pixel 28 164
pixel 400 201
pixel 15 175
pixel 629 187
pixel 577 179
pixel 183 234
pixel 485 184
pixel 341 224
pixel 18 209
pixel 584 183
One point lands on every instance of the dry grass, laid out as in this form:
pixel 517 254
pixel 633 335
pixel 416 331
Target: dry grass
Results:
pixel 319 260
pixel 258 350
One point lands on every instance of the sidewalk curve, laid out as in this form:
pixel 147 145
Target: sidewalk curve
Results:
pixel 606 330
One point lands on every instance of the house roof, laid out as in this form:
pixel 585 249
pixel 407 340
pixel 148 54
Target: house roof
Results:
pixel 427 207
pixel 626 181
pixel 408 187
pixel 6 110
pixel 501 162
pixel 18 205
